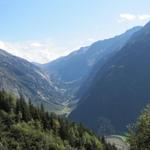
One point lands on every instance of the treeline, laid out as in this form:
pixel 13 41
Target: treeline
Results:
pixel 26 127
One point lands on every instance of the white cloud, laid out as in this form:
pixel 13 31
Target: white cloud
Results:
pixel 144 17
pixel 36 44
pixel 128 17
pixel 34 51
pixel 90 40
pixel 3 45
pixel 42 51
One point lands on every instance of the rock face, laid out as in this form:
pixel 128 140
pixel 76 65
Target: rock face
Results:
pixel 120 89
pixel 73 69
pixel 22 77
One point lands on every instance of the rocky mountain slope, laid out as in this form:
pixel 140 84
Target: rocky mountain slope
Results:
pixel 22 77
pixel 120 89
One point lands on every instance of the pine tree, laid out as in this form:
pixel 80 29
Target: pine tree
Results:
pixel 24 109
pixel 139 133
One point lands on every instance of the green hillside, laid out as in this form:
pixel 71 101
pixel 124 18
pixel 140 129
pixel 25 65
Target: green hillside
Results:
pixel 23 126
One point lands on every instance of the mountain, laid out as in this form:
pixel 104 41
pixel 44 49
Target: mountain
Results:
pixel 73 69
pixel 120 89
pixel 22 77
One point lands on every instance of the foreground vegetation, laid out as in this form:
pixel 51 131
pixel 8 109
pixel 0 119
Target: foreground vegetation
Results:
pixel 23 126
pixel 139 134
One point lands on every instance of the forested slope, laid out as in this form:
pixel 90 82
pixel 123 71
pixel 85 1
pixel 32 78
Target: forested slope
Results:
pixel 23 126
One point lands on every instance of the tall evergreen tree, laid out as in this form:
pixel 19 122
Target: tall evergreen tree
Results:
pixel 139 133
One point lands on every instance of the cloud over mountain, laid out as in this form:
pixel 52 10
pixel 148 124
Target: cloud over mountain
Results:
pixel 130 17
pixel 37 51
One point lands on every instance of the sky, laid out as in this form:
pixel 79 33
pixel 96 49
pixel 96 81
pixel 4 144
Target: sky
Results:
pixel 43 30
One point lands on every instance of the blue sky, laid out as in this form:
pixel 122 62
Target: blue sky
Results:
pixel 42 30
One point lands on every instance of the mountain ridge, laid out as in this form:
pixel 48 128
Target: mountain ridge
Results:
pixel 72 70
pixel 119 89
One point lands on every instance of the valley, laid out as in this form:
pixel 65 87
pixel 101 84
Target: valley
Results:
pixel 96 95
pixel 71 86
pixel 74 75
